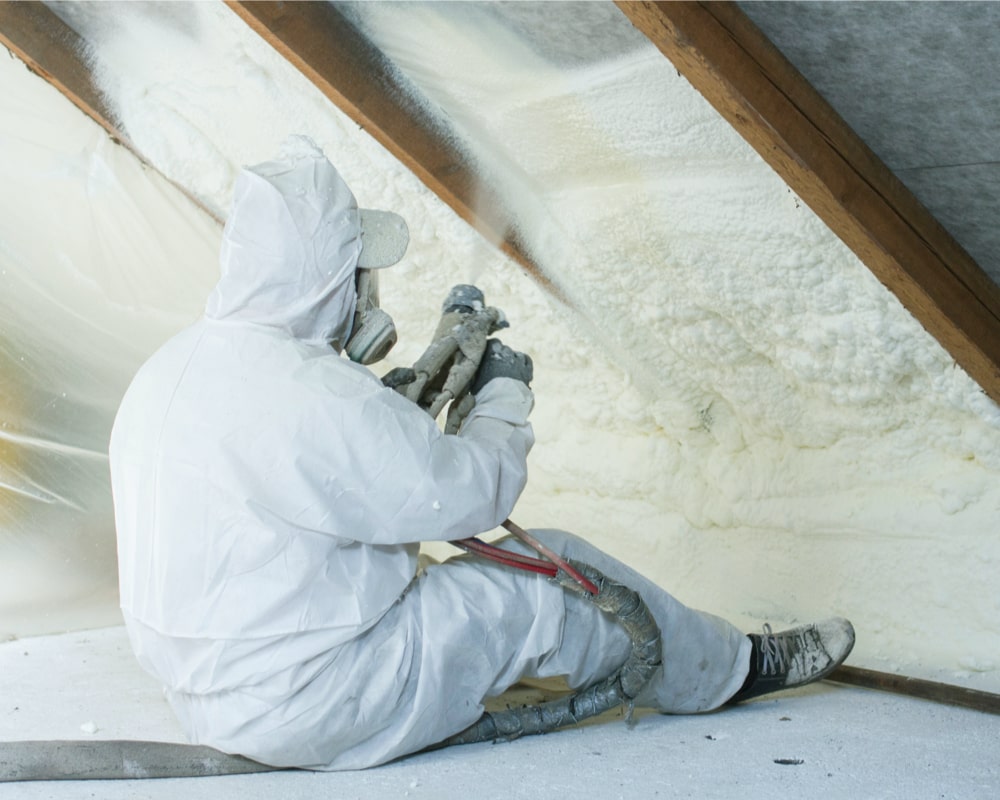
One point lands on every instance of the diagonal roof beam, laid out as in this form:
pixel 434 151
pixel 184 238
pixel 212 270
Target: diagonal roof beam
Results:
pixel 737 69
pixel 322 44
pixel 719 51
pixel 54 51
pixel 51 49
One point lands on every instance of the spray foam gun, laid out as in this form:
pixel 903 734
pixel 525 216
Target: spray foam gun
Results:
pixel 441 377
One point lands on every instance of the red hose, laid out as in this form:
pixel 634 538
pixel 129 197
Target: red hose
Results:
pixel 506 557
pixel 554 557
pixel 518 561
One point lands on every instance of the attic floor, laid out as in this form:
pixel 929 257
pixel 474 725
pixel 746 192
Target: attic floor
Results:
pixel 824 741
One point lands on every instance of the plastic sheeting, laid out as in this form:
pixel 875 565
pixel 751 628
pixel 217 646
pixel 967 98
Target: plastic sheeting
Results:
pixel 92 278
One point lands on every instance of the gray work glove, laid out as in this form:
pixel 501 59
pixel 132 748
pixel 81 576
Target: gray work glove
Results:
pixel 500 361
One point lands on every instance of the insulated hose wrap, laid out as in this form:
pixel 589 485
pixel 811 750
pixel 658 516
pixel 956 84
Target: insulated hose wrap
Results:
pixel 116 760
pixel 621 688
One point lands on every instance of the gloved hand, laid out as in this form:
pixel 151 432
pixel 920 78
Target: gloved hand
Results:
pixel 500 361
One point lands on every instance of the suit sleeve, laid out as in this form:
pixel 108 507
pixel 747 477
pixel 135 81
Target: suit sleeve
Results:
pixel 375 468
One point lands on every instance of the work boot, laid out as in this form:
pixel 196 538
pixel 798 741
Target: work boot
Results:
pixel 795 657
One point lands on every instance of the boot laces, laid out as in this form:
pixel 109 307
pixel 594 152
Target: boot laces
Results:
pixel 775 652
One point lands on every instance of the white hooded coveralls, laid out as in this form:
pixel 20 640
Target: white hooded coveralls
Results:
pixel 270 496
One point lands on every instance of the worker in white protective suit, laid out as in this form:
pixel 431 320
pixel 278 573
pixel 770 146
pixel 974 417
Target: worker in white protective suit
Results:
pixel 270 498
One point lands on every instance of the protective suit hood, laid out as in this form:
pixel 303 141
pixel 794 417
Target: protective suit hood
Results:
pixel 292 244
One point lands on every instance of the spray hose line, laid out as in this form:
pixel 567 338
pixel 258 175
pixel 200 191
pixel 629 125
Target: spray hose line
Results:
pixel 551 567
pixel 116 759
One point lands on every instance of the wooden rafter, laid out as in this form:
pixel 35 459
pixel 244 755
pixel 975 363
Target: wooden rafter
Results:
pixel 736 68
pixel 52 50
pixel 718 50
pixel 322 44
pixel 316 39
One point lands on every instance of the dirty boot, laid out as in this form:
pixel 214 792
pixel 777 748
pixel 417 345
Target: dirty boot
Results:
pixel 795 657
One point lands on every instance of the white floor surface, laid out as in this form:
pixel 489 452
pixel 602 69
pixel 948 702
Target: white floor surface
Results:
pixel 826 741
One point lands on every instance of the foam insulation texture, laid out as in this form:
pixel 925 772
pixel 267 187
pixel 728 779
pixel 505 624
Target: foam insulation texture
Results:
pixel 727 400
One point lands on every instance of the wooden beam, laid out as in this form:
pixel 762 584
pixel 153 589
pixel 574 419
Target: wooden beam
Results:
pixel 52 50
pixel 736 68
pixel 322 44
pixel 987 702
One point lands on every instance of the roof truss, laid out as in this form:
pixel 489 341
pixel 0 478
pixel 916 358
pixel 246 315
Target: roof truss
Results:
pixel 51 49
pixel 327 49
pixel 720 52
pixel 737 69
